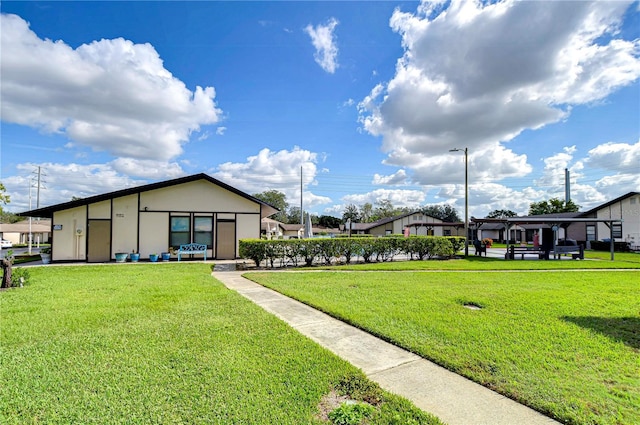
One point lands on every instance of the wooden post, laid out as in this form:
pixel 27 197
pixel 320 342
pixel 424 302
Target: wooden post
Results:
pixel 6 275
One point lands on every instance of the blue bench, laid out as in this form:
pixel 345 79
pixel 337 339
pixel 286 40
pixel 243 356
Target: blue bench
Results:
pixel 192 248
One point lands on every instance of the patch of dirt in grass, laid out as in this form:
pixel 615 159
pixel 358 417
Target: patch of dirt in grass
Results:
pixel 329 403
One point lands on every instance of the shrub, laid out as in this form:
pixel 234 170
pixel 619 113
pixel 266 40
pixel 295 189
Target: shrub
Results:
pixel 19 276
pixel 309 250
pixel 347 248
pixel 457 242
pixel 351 413
pixel 293 251
pixel 440 247
pixel 253 249
pixel 328 250
pixel 605 246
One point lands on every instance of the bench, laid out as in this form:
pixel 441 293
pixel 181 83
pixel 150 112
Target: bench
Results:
pixel 192 248
pixel 524 250
pixel 575 250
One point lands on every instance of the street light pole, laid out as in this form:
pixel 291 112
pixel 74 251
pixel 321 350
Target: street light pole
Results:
pixel 466 198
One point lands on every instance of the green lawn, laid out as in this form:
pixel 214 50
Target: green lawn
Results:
pixel 161 343
pixel 593 260
pixel 566 343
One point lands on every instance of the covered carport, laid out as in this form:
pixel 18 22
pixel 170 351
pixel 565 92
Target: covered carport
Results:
pixel 554 222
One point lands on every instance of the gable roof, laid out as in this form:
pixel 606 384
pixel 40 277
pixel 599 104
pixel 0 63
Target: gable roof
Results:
pixel 368 226
pixel 605 205
pixel 48 211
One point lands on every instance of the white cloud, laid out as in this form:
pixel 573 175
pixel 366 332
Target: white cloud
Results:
pixel 324 41
pixel 553 176
pixel 111 95
pixel 61 182
pixel 623 158
pixel 477 74
pixel 615 156
pixel 221 130
pixel 269 170
pixel 396 179
pixel 147 168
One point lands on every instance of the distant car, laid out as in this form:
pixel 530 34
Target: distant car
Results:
pixel 6 244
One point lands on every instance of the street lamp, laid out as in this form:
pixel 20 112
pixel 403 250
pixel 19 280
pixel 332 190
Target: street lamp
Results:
pixel 466 198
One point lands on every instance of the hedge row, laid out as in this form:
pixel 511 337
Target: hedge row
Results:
pixel 606 246
pixel 295 252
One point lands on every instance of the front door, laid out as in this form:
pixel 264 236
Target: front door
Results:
pixel 226 240
pixel 99 240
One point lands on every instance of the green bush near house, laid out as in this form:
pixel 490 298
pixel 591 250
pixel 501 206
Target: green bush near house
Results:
pixel 330 251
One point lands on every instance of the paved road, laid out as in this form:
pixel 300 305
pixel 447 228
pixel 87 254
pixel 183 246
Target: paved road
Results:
pixel 17 251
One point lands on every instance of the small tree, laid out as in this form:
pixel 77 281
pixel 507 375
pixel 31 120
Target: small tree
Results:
pixel 552 206
pixel 446 212
pixel 328 221
pixel 350 213
pixel 501 214
pixel 277 199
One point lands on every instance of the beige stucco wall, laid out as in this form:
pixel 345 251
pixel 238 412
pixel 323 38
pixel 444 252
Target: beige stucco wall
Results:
pixel 67 245
pixel 197 196
pixel 627 209
pixel 144 218
pixel 124 222
pixel 154 233
pixel 100 210
pixel 247 227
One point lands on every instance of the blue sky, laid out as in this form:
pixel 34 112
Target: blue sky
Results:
pixel 366 97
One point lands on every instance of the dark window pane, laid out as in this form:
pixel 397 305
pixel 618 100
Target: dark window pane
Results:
pixel 617 231
pixel 178 239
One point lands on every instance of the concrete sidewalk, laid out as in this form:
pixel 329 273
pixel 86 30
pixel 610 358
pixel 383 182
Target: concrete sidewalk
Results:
pixel 454 399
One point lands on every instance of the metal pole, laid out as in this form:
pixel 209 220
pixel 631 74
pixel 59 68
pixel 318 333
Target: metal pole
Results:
pixel 466 198
pixel 466 203
pixel 30 234
pixel 38 194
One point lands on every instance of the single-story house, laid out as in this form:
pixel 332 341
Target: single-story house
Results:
pixel 18 233
pixel 274 229
pixel 271 228
pixel 626 208
pixel 619 218
pixel 413 223
pixel 154 218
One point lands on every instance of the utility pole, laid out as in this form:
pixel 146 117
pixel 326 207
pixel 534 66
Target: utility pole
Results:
pixel 301 214
pixel 40 182
pixel 567 186
pixel 30 234
pixel 466 197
